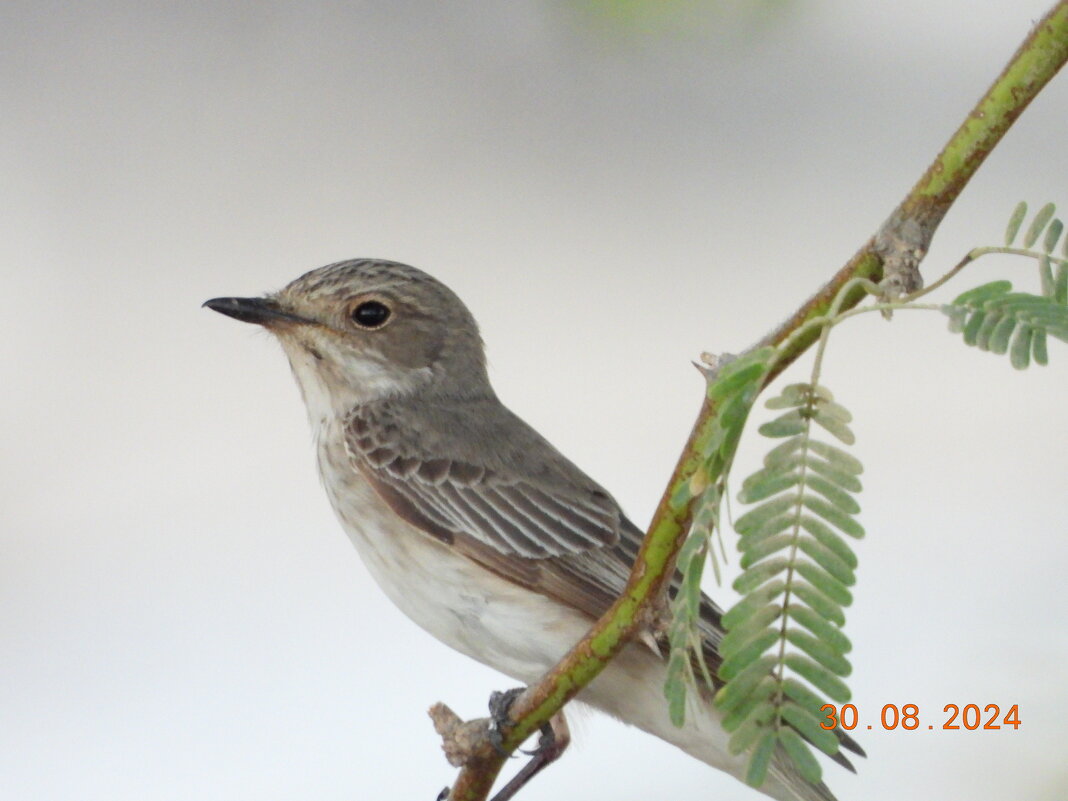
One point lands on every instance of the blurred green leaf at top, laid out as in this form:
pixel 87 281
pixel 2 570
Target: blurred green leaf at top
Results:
pixel 684 17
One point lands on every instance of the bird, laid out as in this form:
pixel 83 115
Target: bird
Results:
pixel 469 520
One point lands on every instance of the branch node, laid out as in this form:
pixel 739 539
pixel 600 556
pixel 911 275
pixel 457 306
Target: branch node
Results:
pixel 463 742
pixel 901 244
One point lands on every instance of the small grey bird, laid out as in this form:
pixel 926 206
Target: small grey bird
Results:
pixel 470 521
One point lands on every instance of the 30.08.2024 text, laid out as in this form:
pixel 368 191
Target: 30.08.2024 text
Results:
pixel 969 717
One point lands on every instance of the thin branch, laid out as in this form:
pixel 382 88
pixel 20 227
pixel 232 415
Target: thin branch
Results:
pixel 894 252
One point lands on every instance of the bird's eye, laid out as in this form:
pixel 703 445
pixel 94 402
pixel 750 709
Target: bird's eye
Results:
pixel 371 314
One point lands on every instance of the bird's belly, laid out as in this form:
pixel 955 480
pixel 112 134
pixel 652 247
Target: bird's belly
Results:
pixel 467 607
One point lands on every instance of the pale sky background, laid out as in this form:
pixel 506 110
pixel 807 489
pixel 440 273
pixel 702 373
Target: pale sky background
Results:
pixel 181 617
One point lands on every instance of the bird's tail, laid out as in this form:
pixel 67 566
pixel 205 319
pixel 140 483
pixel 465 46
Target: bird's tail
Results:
pixel 631 689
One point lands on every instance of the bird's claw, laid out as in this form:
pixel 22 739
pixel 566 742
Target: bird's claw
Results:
pixel 546 742
pixel 499 705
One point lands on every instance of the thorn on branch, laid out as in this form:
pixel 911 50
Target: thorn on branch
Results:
pixel 712 363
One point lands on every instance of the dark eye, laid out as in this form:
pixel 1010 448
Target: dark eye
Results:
pixel 371 314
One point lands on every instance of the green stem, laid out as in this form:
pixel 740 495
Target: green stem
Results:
pixel 975 254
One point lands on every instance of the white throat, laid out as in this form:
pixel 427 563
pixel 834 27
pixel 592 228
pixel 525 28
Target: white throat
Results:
pixel 331 393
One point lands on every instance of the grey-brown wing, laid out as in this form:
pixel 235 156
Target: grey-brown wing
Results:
pixel 518 495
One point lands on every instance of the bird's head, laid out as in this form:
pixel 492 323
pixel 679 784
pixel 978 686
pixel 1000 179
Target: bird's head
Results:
pixel 365 329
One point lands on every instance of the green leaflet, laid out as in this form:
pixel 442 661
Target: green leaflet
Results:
pixel 845 480
pixel 1015 221
pixel 796 749
pixel 819 651
pixel 807 723
pixel 764 484
pixel 760 759
pixel 1020 356
pixel 836 427
pixel 827 632
pixel 1053 233
pixel 744 685
pixel 836 456
pixel 748 653
pixel 833 515
pixel 827 609
pixel 1038 224
pixel 819 676
pixel 744 706
pixel 786 425
pixel 1038 348
pixel 783 451
pixel 754 625
pixel 748 733
pixel 828 408
pixel 766 547
pixel 757 599
pixel 766 529
pixel 837 495
pixel 1045 274
pixel 829 539
pixel 755 518
pixel 790 396
pixel 801 693
pixel 999 337
pixel 755 576
pixel 986 329
pixel 825 583
pixel 826 559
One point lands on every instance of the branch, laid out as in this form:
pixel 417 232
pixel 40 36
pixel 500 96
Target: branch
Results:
pixel 893 254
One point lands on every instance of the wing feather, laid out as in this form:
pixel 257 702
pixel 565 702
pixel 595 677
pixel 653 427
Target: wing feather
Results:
pixel 532 513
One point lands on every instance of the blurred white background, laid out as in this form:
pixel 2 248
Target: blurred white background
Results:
pixel 611 193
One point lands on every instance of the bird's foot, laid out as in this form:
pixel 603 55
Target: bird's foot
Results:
pixel 552 742
pixel 500 703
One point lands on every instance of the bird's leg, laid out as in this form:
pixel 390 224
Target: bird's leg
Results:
pixel 552 742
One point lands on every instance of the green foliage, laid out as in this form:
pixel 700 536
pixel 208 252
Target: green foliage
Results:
pixel 783 654
pixel 784 650
pixel 732 391
pixel 994 318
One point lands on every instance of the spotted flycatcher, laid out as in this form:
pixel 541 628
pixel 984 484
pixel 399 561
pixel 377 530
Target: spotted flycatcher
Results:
pixel 469 520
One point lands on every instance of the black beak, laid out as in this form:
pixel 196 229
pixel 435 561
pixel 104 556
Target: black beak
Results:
pixel 254 310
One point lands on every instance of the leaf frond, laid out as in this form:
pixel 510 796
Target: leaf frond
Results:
pixel 784 651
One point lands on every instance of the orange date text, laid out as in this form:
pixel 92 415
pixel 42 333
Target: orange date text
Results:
pixel 954 717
